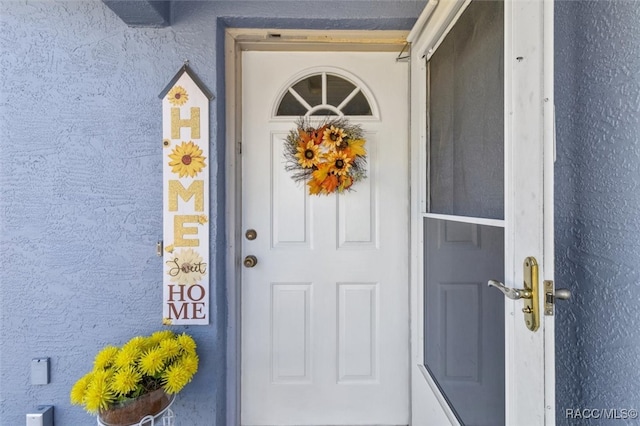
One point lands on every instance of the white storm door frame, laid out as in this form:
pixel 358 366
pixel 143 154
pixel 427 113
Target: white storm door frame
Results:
pixel 529 156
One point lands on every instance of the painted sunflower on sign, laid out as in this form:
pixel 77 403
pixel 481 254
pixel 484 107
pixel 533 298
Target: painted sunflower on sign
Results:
pixel 186 267
pixel 329 157
pixel 187 159
pixel 178 96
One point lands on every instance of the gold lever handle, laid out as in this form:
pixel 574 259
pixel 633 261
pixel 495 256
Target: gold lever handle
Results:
pixel 529 293
pixel 250 261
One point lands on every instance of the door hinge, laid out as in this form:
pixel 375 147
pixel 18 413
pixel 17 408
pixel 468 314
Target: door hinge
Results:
pixel 239 147
pixel 550 296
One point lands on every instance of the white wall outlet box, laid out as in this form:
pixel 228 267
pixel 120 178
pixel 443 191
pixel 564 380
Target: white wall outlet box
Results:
pixel 40 371
pixel 41 416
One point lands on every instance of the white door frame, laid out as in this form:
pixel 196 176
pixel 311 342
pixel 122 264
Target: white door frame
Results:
pixel 237 40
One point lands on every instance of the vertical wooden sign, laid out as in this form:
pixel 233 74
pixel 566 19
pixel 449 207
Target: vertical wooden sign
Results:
pixel 186 164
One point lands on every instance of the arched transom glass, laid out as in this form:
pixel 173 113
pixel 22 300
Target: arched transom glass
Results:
pixel 323 94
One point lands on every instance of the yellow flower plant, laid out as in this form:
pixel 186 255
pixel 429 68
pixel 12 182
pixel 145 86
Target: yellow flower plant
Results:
pixel 163 360
pixel 329 157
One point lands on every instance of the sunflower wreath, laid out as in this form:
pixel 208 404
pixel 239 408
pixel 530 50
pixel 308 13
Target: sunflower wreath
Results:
pixel 330 157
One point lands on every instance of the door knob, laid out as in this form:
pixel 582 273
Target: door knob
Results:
pixel 529 293
pixel 250 261
pixel 562 294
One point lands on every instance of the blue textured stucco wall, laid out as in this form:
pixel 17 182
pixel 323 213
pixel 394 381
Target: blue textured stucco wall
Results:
pixel 81 182
pixel 598 207
pixel 80 189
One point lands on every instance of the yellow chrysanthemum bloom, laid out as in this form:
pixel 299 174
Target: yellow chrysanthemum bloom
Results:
pixel 170 348
pixel 333 136
pixel 175 378
pixel 308 154
pixel 138 343
pixel 98 395
pixel 105 358
pixel 190 363
pixel 79 389
pixel 178 96
pixel 159 336
pixel 187 159
pixel 151 362
pixel 128 355
pixel 340 163
pixel 187 343
pixel 125 380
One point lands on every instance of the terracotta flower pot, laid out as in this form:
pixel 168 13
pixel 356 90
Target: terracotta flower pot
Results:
pixel 133 411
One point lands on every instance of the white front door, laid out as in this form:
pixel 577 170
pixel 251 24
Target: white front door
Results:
pixel 482 203
pixel 325 318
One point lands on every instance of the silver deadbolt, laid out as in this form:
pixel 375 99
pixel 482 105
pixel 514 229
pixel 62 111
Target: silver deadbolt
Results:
pixel 250 261
pixel 251 234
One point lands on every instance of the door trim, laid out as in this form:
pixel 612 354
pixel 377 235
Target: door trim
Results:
pixel 237 40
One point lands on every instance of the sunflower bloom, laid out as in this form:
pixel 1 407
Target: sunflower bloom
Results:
pixel 186 267
pixel 178 96
pixel 308 154
pixel 79 389
pixel 105 357
pixel 187 159
pixel 125 380
pixel 151 362
pixel 333 136
pixel 340 163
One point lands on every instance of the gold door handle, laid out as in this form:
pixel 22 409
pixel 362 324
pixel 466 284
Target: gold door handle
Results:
pixel 250 261
pixel 529 293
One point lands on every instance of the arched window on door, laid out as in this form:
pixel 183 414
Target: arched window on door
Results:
pixel 322 94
